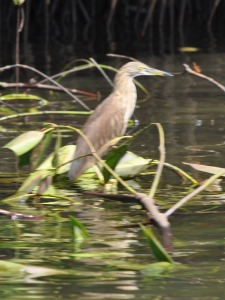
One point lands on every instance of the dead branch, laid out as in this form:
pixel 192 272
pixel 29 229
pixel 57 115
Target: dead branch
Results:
pixel 16 215
pixel 189 70
pixel 160 219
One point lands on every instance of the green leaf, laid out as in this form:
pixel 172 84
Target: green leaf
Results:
pixel 16 198
pixel 65 154
pixel 112 160
pixel 34 180
pixel 79 231
pixel 157 249
pixel 131 165
pixel 22 96
pixel 25 142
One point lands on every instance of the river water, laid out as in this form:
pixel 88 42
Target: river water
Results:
pixel 191 111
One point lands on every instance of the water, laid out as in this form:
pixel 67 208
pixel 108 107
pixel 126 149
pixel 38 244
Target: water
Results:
pixel 191 111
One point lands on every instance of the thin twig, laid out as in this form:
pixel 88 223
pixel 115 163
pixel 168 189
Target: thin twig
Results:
pixel 122 56
pixel 189 70
pixel 201 188
pixel 177 170
pixel 64 73
pixel 101 71
pixel 162 152
pixel 9 106
pixel 50 79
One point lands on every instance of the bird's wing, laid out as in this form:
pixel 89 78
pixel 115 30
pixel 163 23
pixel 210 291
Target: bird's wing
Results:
pixel 105 124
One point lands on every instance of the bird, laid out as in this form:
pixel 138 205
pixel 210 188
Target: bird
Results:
pixel 110 119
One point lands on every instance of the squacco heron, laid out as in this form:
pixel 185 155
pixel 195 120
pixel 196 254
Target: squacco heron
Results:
pixel 110 118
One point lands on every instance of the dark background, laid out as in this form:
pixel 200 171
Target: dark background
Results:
pixel 56 32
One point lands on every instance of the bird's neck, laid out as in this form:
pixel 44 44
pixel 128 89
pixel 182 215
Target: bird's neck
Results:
pixel 123 85
pixel 125 88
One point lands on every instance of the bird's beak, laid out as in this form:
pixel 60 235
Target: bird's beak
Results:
pixel 156 72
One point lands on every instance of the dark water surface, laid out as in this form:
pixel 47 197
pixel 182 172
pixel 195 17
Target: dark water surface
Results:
pixel 191 111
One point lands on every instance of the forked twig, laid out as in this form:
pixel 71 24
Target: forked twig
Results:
pixel 191 71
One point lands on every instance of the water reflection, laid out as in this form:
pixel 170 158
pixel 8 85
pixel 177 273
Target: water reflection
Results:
pixel 192 113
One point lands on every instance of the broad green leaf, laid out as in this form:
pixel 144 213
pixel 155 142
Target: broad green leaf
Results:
pixel 34 180
pixel 112 160
pixel 46 164
pixel 22 96
pixel 157 249
pixel 131 165
pixel 65 154
pixel 79 231
pixel 25 142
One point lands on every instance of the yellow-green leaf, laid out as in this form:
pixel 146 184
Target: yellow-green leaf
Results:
pixel 22 96
pixel 25 142
pixel 157 249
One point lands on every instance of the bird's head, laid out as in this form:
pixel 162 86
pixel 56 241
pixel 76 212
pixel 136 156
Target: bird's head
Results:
pixel 135 68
